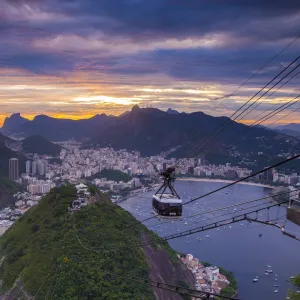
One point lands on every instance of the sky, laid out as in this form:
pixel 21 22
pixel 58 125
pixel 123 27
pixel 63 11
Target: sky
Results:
pixel 77 58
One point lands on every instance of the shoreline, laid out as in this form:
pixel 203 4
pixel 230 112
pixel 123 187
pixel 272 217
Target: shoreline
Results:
pixel 223 181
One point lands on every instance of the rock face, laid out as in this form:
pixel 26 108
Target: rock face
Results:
pixel 14 122
pixel 163 270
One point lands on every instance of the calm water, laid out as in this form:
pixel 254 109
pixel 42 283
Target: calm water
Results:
pixel 239 248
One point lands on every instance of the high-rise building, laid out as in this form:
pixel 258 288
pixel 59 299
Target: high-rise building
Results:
pixel 41 167
pixel 28 166
pixel 14 169
pixel 34 167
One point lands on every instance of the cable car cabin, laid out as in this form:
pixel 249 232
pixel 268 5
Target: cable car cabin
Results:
pixel 167 205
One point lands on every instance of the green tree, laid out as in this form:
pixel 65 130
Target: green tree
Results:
pixel 296 282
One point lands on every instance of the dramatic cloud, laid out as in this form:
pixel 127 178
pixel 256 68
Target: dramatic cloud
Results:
pixel 76 58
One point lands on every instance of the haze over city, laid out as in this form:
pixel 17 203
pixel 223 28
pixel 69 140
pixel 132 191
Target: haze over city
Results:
pixel 75 59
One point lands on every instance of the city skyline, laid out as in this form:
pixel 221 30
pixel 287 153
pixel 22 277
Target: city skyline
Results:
pixel 75 60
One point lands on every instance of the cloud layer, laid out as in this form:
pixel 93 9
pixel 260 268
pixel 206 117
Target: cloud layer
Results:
pixel 76 58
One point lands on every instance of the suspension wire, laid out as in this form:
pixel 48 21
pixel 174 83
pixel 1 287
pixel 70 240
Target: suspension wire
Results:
pixel 255 73
pixel 224 187
pixel 234 219
pixel 95 249
pixel 232 118
pixel 230 121
pixel 278 54
pixel 268 97
pixel 226 207
pixel 244 178
pixel 296 74
pixel 265 118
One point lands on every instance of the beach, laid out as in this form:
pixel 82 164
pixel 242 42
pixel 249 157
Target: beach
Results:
pixel 224 181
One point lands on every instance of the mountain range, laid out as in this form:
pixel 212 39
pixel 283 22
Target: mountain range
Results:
pixel 292 129
pixel 54 129
pixel 151 131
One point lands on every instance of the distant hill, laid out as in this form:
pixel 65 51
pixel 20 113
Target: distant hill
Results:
pixel 61 129
pixel 5 155
pixel 87 255
pixel 291 126
pixel 111 174
pixel 40 145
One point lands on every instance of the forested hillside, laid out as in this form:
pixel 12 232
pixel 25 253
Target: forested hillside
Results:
pixel 90 254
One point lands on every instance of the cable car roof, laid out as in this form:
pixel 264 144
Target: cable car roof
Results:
pixel 167 198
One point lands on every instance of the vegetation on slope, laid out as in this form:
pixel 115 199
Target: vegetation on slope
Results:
pixel 9 186
pixel 111 174
pixel 40 145
pixel 87 255
pixel 296 282
pixel 7 189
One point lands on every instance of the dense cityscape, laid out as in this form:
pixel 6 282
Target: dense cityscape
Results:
pixel 82 165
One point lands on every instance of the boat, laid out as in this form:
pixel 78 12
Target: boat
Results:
pixel 276 285
pixel 260 235
pixel 207 236
pixel 275 291
pixel 255 279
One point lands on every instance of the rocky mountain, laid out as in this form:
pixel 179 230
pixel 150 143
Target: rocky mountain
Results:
pixel 171 111
pixel 13 123
pixel 87 255
pixel 40 145
pixel 60 129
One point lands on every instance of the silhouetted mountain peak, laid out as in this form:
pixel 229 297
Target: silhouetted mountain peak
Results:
pixel 171 111
pixel 15 115
pixel 14 121
pixel 135 108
